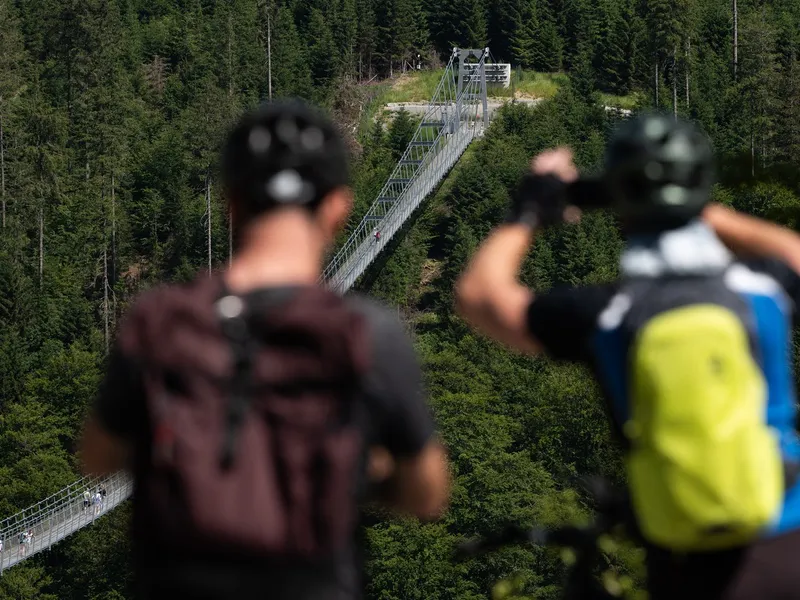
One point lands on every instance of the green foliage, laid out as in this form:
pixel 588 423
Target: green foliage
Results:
pixel 453 23
pixel 34 464
pixel 27 582
pixel 533 35
pixel 86 568
pixel 400 133
pixel 401 31
pixel 111 117
pixel 291 71
pixel 322 50
pixel 413 561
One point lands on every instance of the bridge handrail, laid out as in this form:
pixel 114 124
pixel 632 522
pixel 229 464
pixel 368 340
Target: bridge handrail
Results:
pixel 434 106
pixel 59 515
pixel 376 213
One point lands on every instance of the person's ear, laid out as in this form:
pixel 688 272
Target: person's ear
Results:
pixel 334 210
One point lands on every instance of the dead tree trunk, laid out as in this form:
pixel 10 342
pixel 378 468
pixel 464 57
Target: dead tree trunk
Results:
pixel 208 215
pixel 269 51
pixel 656 81
pixel 265 10
pixel 113 277
pixel 3 170
pixel 113 227
pixel 230 54
pixel 106 327
pixel 686 70
pixel 675 81
pixel 735 40
pixel 41 241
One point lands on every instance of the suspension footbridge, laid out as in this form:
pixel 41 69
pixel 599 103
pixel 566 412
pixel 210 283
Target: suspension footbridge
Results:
pixel 457 114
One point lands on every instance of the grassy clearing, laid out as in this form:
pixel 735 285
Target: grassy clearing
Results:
pixel 414 87
pixel 376 103
pixel 531 84
pixel 420 86
pixel 630 101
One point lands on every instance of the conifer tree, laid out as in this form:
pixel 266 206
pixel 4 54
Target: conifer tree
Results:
pixel 322 55
pixel 366 36
pixel 758 80
pixel 524 41
pixel 548 50
pixel 346 35
pixel 574 26
pixel 453 23
pixel 291 74
pixel 503 21
pixel 13 67
pixel 400 133
pixel 788 140
pixel 610 59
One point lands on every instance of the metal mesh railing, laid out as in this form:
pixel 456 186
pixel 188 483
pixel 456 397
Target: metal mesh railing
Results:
pixel 456 115
pixel 54 518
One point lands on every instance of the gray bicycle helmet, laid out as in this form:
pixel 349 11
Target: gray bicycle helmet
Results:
pixel 284 152
pixel 658 172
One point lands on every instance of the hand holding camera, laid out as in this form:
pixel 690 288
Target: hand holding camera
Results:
pixel 553 192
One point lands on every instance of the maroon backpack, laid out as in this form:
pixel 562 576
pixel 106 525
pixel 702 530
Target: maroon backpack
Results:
pixel 254 444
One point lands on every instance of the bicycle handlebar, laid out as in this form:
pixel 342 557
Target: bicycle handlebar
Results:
pixel 581 583
pixel 567 537
pixel 505 537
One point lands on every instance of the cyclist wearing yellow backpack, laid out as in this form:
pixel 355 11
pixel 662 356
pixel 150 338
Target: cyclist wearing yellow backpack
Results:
pixel 692 347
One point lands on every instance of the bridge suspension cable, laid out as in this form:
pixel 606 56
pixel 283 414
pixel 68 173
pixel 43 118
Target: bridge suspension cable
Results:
pixel 455 116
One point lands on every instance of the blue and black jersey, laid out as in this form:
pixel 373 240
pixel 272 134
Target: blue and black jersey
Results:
pixel 586 325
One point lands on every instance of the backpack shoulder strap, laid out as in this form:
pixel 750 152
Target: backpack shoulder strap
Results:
pixel 232 317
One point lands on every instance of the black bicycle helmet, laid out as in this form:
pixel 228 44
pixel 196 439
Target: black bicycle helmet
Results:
pixel 283 153
pixel 658 172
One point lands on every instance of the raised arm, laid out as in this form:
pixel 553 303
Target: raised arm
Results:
pixel 747 235
pixel 489 294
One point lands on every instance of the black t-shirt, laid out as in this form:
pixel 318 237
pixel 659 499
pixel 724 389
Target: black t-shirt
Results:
pixel 397 418
pixel 564 319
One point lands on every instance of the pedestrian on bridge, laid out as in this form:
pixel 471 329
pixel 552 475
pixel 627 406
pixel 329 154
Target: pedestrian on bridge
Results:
pixel 97 500
pixel 254 406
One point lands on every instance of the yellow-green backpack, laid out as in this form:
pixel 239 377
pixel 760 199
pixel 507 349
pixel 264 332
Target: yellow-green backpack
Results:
pixel 705 471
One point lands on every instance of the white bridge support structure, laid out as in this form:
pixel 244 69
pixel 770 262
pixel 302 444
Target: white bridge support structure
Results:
pixel 456 115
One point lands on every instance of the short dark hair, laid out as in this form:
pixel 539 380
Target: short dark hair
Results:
pixel 281 154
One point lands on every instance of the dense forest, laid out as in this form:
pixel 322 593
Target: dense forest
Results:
pixel 111 115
